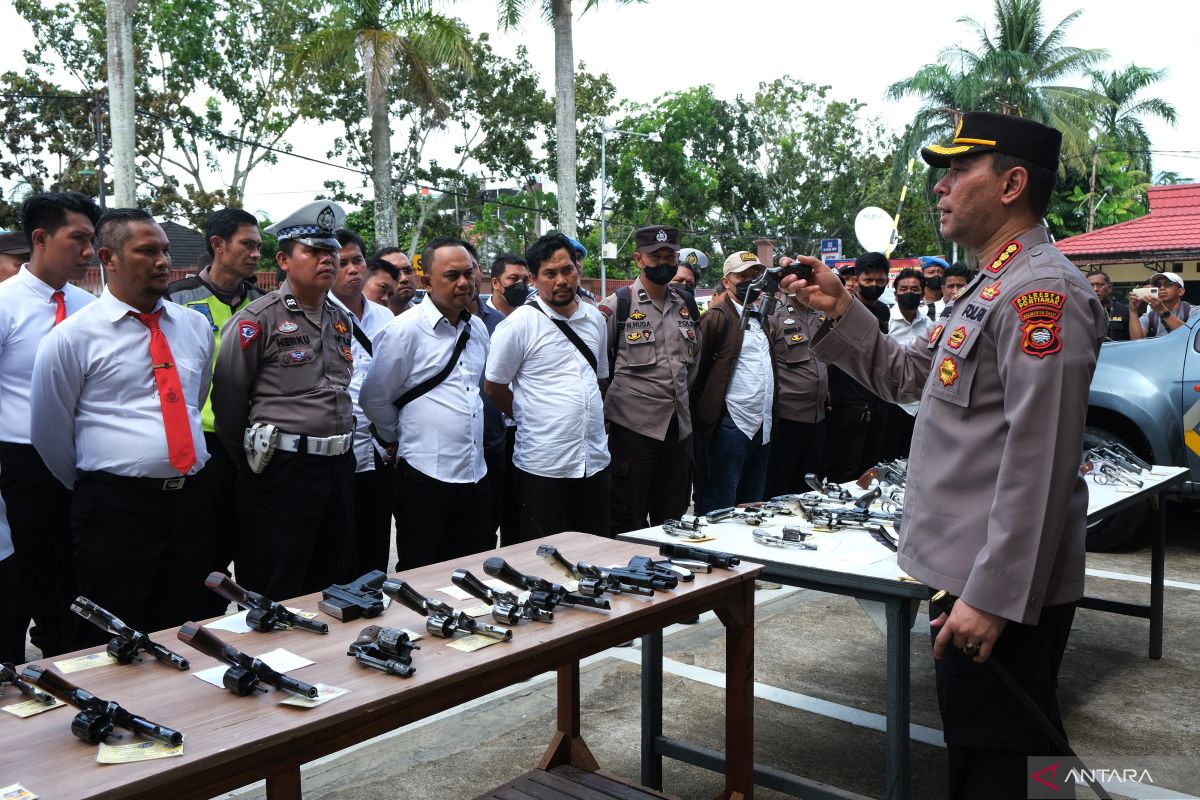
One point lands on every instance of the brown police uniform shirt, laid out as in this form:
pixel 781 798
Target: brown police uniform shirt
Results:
pixel 277 366
pixel 656 359
pixel 801 379
pixel 995 509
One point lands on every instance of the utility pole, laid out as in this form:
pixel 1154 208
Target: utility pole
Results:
pixel 119 21
pixel 1092 193
pixel 100 177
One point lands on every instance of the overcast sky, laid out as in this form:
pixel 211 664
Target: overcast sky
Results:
pixel 858 48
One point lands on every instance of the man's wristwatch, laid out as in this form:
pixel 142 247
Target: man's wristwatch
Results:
pixel 1164 314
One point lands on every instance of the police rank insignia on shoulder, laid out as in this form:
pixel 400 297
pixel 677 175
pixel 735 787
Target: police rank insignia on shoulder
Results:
pixel 1008 251
pixel 248 331
pixel 947 371
pixel 287 326
pixel 991 292
pixel 936 332
pixel 637 315
pixel 340 327
pixel 1039 312
pixel 957 337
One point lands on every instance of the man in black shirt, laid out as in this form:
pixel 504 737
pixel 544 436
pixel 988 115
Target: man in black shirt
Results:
pixel 1118 313
pixel 857 422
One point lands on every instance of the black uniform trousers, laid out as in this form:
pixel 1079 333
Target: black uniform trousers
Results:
pixel 437 520
pixel 554 505
pixel 221 472
pixel 649 478
pixel 989 736
pixel 39 514
pixel 898 440
pixel 12 631
pixel 508 513
pixel 141 552
pixel 855 435
pixel 297 517
pixel 797 449
pixel 374 491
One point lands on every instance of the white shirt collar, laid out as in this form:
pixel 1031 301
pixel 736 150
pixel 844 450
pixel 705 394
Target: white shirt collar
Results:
pixel 39 286
pixel 115 310
pixel 553 314
pixel 431 313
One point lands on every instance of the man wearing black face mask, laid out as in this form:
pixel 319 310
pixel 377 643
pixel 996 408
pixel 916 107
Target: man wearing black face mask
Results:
pixel 934 270
pixel 654 348
pixel 510 283
pixel 907 325
pixel 857 421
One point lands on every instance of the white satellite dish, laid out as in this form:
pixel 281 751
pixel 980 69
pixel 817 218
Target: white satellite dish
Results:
pixel 873 228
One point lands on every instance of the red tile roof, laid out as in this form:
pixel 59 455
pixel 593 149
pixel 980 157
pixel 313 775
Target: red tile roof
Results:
pixel 1170 230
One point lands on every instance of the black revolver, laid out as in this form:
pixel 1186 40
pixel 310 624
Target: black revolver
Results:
pixel 766 285
pixel 245 672
pixel 388 650
pixel 262 614
pixel 507 608
pixel 96 719
pixel 542 593
pixel 593 581
pixel 440 619
pixel 127 643
pixel 358 598
pixel 9 674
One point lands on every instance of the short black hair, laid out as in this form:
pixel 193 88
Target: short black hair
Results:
pixel 1041 180
pixel 433 245
pixel 502 261
pixel 225 223
pixel 379 265
pixel 546 246
pixel 386 251
pixel 346 236
pixel 1102 274
pixel 909 272
pixel 961 270
pixel 48 211
pixel 470 249
pixel 112 229
pixel 870 262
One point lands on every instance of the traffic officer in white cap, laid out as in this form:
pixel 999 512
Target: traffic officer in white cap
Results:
pixel 691 262
pixel 283 410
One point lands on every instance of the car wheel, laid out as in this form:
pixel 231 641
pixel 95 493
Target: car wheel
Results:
pixel 1128 529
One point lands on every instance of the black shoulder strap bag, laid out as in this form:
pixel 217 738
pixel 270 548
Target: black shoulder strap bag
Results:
pixel 432 381
pixel 570 333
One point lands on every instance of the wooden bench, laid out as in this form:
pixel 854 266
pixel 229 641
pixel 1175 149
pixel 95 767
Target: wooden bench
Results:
pixel 570 783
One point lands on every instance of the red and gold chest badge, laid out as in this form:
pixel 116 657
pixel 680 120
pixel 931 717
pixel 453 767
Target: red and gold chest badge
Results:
pixel 1007 252
pixel 936 333
pixel 947 371
pixel 683 312
pixel 340 327
pixel 991 292
pixel 347 354
pixel 1039 312
pixel 957 337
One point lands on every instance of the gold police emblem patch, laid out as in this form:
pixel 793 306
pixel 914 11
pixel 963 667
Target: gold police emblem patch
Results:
pixel 947 372
pixel 633 336
pixel 957 337
pixel 637 315
pixel 991 292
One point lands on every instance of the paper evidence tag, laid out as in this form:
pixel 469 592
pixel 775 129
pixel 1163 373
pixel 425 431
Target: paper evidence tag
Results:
pixel 325 693
pixel 135 751
pixel 80 663
pixel 28 709
pixel 476 641
pixel 16 792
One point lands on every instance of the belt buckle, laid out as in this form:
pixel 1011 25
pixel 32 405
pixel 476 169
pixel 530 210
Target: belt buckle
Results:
pixel 171 484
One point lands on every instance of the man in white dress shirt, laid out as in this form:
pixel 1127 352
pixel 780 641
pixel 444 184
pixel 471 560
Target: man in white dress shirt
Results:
pixel 547 380
pixel 374 487
pixel 422 397
pixel 117 393
pixel 60 227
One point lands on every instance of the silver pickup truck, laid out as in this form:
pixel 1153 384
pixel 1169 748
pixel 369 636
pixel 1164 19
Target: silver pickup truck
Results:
pixel 1146 395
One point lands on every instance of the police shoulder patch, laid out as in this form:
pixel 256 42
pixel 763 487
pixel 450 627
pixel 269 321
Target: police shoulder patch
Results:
pixel 948 371
pixel 605 310
pixel 1006 253
pixel 248 331
pixel 1039 312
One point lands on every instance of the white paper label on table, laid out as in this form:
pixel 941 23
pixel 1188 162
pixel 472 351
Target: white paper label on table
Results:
pixel 325 693
pixel 80 663
pixel 278 659
pixel 135 751
pixel 455 592
pixel 236 623
pixel 29 708
pixel 16 792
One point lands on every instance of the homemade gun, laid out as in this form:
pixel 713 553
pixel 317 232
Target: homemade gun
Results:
pixel 542 593
pixel 388 650
pixel 358 598
pixel 686 527
pixel 9 674
pixel 712 557
pixel 831 490
pixel 245 672
pixel 96 719
pixel 506 606
pixel 440 619
pixel 262 614
pixel 766 285
pixel 127 643
pixel 594 581
pixel 790 537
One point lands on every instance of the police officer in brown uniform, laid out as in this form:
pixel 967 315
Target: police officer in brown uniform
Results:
pixel 654 347
pixel 995 509
pixel 802 389
pixel 283 410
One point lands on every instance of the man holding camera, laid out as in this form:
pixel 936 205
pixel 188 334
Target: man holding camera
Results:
pixel 1167 313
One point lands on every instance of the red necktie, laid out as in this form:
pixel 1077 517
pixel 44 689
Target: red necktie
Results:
pixel 180 450
pixel 60 310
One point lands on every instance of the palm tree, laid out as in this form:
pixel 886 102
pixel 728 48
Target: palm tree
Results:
pixel 1014 70
pixel 1119 123
pixel 118 16
pixel 380 36
pixel 558 14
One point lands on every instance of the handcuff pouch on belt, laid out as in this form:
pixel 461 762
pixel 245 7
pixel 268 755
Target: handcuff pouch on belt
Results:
pixel 259 443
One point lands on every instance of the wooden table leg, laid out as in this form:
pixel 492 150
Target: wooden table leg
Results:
pixel 567 746
pixel 738 618
pixel 284 785
pixel 1158 568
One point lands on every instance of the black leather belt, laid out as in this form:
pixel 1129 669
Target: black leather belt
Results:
pixel 156 484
